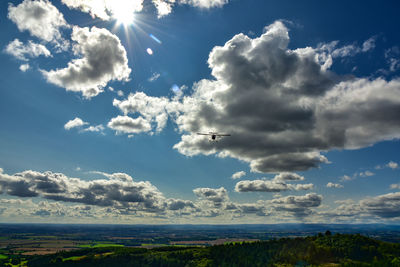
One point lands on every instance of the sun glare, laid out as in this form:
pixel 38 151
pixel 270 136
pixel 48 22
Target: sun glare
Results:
pixel 122 15
pixel 123 11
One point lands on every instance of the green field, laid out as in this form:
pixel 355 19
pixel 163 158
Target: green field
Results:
pixel 74 258
pixel 100 245
pixel 3 257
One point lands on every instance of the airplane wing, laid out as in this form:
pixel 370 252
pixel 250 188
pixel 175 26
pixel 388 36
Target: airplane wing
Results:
pixel 223 135
pixel 203 134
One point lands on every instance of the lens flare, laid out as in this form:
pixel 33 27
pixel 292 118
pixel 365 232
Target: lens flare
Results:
pixel 155 38
pixel 149 51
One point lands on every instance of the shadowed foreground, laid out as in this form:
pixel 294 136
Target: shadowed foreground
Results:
pixel 320 250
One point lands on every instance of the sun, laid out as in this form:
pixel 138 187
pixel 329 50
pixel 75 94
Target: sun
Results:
pixel 124 11
pixel 123 15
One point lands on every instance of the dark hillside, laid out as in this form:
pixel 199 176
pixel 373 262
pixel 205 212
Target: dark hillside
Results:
pixel 320 250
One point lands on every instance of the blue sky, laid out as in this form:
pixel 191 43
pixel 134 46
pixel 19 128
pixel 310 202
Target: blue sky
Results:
pixel 101 102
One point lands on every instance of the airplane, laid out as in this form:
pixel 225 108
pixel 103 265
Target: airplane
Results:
pixel 214 136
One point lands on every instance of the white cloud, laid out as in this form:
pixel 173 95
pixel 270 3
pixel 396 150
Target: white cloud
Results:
pixel 369 44
pixel 333 185
pixel 103 59
pixel 22 51
pixel 40 18
pixel 154 77
pixel 77 122
pixel 395 186
pixel 153 109
pixel 120 93
pixel 366 174
pixel 97 128
pixel 125 124
pixel 117 9
pixel 164 7
pixel 24 67
pixel 107 9
pixel 238 175
pixel 393 165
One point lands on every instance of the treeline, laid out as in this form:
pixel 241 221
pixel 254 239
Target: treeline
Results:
pixel 323 249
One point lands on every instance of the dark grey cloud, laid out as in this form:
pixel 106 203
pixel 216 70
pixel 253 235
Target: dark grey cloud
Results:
pixel 217 196
pixel 103 59
pixel 283 107
pixel 269 186
pixel 261 186
pixel 299 206
pixel 179 204
pixel 277 184
pixel 288 176
pixel 259 209
pixel 117 191
pixel 384 206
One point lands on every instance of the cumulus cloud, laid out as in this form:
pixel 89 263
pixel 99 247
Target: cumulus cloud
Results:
pixel 259 208
pixel 77 122
pixel 288 176
pixel 118 191
pixel 125 124
pixel 300 206
pixel 269 186
pixel 103 59
pixel 282 107
pixel 333 185
pixel 216 196
pixel 22 51
pixel 154 109
pixel 385 206
pixel 119 195
pixel 261 186
pixel 238 175
pixel 40 18
pixel 83 126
